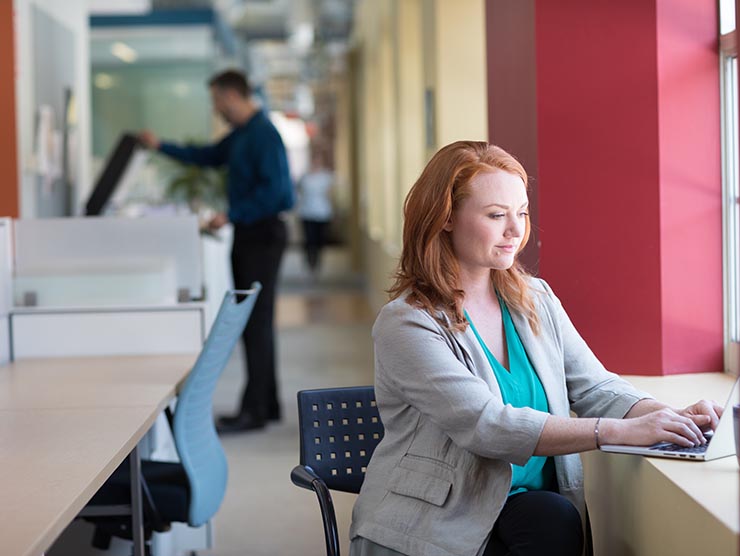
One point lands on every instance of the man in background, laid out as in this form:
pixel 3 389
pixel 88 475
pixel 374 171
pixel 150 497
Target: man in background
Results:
pixel 259 188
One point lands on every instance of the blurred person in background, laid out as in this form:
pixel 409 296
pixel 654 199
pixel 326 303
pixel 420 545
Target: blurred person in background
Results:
pixel 259 189
pixel 315 208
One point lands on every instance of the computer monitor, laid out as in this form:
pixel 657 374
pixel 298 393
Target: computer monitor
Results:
pixel 119 168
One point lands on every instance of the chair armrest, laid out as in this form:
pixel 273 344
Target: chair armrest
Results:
pixel 305 477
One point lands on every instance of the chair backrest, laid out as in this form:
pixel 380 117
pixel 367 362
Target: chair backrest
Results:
pixel 339 430
pixel 196 440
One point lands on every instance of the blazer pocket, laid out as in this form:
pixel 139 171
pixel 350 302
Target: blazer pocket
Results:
pixel 420 485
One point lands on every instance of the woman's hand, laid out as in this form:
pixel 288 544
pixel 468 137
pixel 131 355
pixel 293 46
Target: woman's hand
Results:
pixel 663 425
pixel 705 413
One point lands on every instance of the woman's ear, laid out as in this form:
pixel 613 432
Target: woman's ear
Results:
pixel 448 225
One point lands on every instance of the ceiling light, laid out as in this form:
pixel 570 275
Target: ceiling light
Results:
pixel 302 36
pixel 181 89
pixel 124 52
pixel 104 81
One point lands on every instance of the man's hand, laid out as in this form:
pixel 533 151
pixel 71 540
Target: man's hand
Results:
pixel 218 221
pixel 149 139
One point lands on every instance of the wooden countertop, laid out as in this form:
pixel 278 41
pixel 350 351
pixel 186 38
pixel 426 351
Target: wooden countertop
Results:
pixel 65 426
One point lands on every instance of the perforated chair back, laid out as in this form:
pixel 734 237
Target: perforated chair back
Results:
pixel 339 430
pixel 196 440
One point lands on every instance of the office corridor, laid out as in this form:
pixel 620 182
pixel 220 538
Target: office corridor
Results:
pixel 324 340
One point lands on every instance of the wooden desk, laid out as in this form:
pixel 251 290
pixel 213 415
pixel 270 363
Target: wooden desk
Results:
pixel 126 381
pixel 65 426
pixel 654 507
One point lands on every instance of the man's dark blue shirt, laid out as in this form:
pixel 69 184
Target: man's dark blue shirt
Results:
pixel 259 185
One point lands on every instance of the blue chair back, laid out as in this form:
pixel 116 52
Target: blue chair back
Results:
pixel 339 430
pixel 196 440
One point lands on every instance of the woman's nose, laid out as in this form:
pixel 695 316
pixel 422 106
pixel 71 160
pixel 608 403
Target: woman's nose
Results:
pixel 515 228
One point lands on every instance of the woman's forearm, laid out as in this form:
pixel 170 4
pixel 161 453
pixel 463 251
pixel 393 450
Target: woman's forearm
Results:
pixel 647 422
pixel 566 435
pixel 643 407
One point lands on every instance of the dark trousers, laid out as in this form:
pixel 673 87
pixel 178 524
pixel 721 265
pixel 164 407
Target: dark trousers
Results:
pixel 314 235
pixel 536 523
pixel 255 256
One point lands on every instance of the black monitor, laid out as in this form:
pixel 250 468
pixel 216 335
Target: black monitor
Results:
pixel 113 173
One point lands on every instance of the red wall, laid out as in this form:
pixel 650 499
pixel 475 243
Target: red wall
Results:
pixel 8 156
pixel 598 146
pixel 627 147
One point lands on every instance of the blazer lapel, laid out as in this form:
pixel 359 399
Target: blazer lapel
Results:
pixel 470 345
pixel 536 349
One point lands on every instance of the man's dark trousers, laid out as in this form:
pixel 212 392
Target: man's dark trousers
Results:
pixel 255 256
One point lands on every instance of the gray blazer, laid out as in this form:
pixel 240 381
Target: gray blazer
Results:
pixel 439 478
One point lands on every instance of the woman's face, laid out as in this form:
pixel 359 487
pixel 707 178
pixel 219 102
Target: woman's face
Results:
pixel 488 226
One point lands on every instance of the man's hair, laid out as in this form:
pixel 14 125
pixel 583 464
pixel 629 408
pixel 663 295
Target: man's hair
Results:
pixel 231 79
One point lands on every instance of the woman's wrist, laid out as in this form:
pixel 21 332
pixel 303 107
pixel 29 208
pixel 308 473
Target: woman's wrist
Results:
pixel 608 431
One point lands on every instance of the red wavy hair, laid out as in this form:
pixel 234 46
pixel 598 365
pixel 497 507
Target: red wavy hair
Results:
pixel 428 269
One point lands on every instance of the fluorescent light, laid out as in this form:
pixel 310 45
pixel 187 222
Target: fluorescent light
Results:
pixel 302 36
pixel 118 7
pixel 124 52
pixel 181 89
pixel 104 81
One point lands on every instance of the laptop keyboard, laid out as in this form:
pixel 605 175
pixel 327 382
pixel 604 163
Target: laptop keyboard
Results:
pixel 670 447
pixel 664 447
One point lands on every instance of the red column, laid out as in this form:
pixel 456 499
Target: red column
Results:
pixel 628 172
pixel 8 151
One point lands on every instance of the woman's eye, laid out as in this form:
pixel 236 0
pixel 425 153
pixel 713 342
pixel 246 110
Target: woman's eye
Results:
pixel 523 214
pixel 496 215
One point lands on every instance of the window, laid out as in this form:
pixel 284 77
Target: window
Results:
pixel 731 192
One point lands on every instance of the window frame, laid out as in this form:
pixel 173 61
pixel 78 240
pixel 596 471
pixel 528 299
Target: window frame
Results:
pixel 728 60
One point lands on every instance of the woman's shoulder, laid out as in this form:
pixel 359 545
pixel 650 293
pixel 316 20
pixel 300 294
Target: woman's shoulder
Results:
pixel 401 308
pixel 538 287
pixel 545 300
pixel 400 312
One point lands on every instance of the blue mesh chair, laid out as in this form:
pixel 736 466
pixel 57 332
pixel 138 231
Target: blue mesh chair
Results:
pixel 192 490
pixel 339 430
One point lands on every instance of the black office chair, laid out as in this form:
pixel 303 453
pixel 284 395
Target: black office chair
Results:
pixel 339 430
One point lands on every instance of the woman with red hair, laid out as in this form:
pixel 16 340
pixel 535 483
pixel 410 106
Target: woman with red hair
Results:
pixel 477 370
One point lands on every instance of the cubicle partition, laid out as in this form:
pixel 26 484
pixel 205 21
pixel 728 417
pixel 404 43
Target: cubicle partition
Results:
pixel 91 287
pixel 103 286
pixel 6 280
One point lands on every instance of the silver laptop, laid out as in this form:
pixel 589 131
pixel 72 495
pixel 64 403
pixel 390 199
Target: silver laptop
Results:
pixel 720 444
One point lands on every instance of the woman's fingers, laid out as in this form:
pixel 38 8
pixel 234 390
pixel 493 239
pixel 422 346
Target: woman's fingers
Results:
pixel 678 439
pixel 672 423
pixel 708 408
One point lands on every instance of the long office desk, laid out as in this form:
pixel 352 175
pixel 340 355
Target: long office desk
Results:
pixel 65 426
pixel 660 507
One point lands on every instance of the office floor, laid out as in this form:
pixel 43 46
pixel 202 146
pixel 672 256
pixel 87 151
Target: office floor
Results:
pixel 324 340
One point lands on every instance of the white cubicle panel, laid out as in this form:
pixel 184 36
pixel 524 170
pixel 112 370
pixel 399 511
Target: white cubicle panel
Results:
pixel 93 262
pixel 6 285
pixel 67 333
pixel 6 265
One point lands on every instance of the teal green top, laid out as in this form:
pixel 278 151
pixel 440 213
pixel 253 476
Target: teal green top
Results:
pixel 520 387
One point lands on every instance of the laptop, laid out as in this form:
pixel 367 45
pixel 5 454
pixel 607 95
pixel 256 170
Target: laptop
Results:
pixel 719 444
